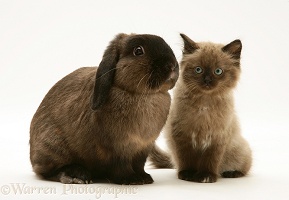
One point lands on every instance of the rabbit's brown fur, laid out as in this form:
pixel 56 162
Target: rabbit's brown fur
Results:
pixel 102 122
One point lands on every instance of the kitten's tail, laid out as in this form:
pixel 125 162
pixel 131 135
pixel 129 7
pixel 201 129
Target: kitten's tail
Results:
pixel 160 159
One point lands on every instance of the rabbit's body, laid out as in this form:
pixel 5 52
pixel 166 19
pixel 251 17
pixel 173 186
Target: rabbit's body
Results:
pixel 72 143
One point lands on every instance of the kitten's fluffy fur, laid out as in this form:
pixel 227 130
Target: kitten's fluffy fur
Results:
pixel 202 128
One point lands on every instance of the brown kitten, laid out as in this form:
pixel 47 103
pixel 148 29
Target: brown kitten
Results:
pixel 202 128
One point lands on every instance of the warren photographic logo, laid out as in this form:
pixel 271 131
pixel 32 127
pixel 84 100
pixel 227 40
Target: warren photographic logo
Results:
pixel 97 191
pixel 22 189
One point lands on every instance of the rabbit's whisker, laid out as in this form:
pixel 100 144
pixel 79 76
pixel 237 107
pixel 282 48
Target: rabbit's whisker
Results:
pixel 141 80
pixel 110 71
pixel 144 94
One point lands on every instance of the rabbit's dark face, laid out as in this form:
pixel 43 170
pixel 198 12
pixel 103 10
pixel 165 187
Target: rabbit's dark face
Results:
pixel 137 64
pixel 146 64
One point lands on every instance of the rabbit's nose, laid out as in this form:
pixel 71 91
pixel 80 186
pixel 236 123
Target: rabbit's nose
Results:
pixel 174 74
pixel 173 67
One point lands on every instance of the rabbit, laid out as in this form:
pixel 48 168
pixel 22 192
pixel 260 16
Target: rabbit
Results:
pixel 101 123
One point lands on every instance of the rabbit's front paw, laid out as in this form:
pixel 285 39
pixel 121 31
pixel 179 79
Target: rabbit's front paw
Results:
pixel 133 179
pixel 147 178
pixel 74 174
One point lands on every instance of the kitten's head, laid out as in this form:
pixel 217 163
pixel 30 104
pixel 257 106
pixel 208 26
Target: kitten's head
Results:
pixel 209 67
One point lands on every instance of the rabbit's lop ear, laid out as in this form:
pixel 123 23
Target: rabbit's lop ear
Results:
pixel 105 73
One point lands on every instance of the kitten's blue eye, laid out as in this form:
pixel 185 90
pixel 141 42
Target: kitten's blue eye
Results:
pixel 198 70
pixel 218 71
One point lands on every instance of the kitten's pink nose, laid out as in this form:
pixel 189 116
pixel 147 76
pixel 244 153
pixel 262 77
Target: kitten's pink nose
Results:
pixel 208 80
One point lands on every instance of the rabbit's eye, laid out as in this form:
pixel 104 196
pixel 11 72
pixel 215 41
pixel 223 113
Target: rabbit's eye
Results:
pixel 138 51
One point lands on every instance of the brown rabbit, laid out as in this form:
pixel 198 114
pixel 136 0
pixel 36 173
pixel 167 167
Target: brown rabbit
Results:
pixel 102 122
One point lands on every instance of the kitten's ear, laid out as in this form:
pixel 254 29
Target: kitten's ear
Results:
pixel 189 45
pixel 234 48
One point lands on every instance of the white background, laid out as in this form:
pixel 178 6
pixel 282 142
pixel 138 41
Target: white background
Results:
pixel 43 40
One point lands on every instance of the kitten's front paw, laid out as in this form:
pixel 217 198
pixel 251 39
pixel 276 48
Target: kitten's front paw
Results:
pixel 186 175
pixel 205 177
pixel 133 179
pixel 232 174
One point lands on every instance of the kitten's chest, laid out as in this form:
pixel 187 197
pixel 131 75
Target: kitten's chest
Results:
pixel 202 140
pixel 203 110
pixel 205 115
pixel 205 122
pixel 208 112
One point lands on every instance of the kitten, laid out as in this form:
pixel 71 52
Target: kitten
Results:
pixel 202 128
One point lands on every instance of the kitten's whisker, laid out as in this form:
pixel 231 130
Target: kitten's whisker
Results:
pixel 192 86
